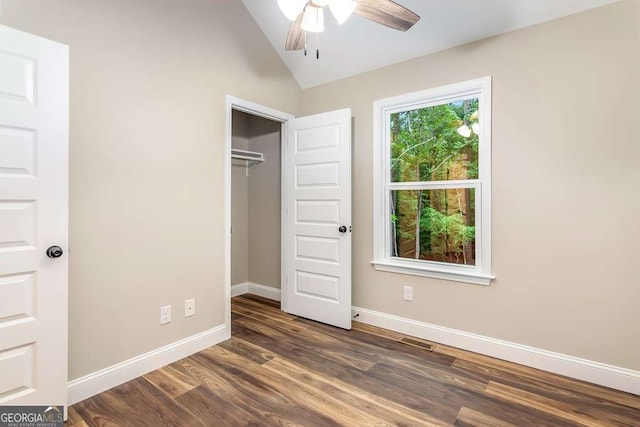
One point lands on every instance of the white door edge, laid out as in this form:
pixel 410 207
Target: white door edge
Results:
pixel 239 104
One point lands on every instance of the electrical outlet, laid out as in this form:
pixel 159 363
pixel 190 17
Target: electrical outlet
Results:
pixel 165 314
pixel 189 307
pixel 408 293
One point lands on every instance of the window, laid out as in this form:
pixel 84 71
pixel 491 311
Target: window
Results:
pixel 432 183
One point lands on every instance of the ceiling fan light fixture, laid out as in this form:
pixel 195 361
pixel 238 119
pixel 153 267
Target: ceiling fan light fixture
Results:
pixel 291 8
pixel 342 9
pixel 313 19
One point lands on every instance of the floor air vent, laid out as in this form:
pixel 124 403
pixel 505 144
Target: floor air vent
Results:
pixel 417 343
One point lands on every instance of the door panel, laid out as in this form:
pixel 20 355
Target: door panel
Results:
pixel 33 216
pixel 18 294
pixel 320 175
pixel 318 212
pixel 18 152
pixel 17 366
pixel 18 81
pixel 317 285
pixel 318 249
pixel 318 280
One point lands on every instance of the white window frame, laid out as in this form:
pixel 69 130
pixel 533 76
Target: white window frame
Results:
pixel 382 186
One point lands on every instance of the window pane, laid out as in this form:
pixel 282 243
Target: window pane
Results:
pixel 434 225
pixel 435 143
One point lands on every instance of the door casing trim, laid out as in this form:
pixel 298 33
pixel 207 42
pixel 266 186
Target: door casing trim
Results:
pixel 238 104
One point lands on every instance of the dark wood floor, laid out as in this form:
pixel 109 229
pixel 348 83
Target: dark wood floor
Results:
pixel 281 370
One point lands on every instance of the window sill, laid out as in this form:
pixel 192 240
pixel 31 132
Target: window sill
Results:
pixel 464 277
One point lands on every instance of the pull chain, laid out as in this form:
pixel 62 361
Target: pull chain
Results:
pixel 305 43
pixel 306 50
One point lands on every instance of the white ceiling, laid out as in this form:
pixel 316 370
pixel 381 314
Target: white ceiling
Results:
pixel 360 45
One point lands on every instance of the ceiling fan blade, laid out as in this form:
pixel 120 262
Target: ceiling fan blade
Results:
pixel 295 38
pixel 387 12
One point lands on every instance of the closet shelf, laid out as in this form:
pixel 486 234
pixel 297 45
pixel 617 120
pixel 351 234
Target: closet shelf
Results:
pixel 247 155
pixel 252 157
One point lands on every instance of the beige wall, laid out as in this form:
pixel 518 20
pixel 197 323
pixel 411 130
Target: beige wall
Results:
pixel 565 180
pixel 265 204
pixel 148 86
pixel 239 202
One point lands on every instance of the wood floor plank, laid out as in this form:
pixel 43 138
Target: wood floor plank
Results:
pixel 511 413
pixel 206 405
pixel 605 410
pixel 324 344
pixel 537 375
pixel 300 393
pixel 274 397
pixel 260 307
pixel 171 381
pixel 457 396
pixel 281 370
pixel 381 345
pixel 354 396
pixel 262 300
pixel 469 417
pixel 134 403
pixel 283 321
pixel 246 349
pixel 391 335
pixel 429 374
pixel 252 398
pixel 74 419
pixel 379 332
pixel 549 406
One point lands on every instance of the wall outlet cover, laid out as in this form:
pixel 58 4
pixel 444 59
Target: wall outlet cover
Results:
pixel 189 307
pixel 165 314
pixel 408 293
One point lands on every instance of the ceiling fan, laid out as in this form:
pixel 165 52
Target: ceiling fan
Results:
pixel 308 16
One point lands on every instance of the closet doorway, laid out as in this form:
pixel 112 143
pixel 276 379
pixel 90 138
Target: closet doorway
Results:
pixel 288 210
pixel 256 205
pixel 256 144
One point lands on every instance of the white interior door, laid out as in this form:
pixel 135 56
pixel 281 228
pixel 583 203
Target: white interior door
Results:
pixel 318 206
pixel 33 217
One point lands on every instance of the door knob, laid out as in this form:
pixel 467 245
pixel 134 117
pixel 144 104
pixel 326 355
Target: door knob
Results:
pixel 342 229
pixel 54 252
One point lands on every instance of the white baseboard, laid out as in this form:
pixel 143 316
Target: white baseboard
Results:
pixel 256 289
pixel 574 367
pixel 104 379
pixel 239 289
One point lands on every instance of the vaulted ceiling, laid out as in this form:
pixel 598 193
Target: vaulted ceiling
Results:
pixel 360 45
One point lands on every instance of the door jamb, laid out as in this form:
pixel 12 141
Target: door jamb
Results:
pixel 252 108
